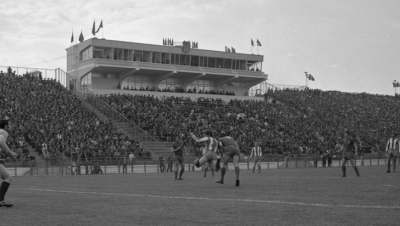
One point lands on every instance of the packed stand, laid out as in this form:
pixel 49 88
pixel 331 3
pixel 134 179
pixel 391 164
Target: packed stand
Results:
pixel 55 123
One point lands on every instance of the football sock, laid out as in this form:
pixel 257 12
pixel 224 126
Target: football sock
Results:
pixel 344 170
pixel 3 190
pixel 254 167
pixel 181 172
pixel 356 169
pixel 259 169
pixel 223 171
pixel 176 174
pixel 237 171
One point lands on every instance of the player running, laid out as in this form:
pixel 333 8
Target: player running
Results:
pixel 210 154
pixel 257 153
pixel 392 150
pixel 230 150
pixel 178 147
pixel 4 175
pixel 350 152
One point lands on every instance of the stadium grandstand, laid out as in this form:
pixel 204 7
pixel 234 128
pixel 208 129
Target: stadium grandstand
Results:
pixel 120 97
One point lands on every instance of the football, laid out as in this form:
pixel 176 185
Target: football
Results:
pixel 240 117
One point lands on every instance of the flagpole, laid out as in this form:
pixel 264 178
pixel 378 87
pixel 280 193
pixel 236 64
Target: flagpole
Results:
pixel 257 48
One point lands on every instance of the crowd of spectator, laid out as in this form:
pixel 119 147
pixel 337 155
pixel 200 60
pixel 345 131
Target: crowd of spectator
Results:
pixel 179 89
pixel 296 121
pixel 55 123
pixel 49 118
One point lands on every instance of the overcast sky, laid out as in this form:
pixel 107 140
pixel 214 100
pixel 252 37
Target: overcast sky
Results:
pixel 347 45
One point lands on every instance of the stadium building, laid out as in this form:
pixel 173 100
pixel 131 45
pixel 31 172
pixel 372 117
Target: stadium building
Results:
pixel 102 64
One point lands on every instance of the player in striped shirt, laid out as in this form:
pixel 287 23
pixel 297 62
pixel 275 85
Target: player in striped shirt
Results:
pixel 211 146
pixel 4 175
pixel 257 153
pixel 392 150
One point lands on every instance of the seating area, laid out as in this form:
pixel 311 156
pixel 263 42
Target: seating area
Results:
pixel 55 123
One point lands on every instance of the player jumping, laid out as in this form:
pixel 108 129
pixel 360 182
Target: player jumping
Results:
pixel 4 175
pixel 230 150
pixel 211 145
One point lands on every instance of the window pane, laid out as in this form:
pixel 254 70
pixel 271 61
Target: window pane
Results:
pixel 228 63
pixel 194 61
pixel 98 52
pixel 220 63
pixel 211 62
pixel 146 56
pixel 138 56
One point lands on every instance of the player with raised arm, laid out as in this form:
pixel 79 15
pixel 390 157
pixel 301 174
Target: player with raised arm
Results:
pixel 230 150
pixel 257 153
pixel 178 147
pixel 350 151
pixel 4 175
pixel 392 150
pixel 210 154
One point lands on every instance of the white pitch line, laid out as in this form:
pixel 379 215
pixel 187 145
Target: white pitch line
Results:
pixel 219 199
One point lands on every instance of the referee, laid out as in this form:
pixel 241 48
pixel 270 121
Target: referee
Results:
pixel 392 150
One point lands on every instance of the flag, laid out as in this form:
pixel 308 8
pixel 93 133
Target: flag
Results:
pixel 94 28
pixel 252 42
pixel 233 50
pixel 307 75
pixel 396 84
pixel 226 49
pixel 81 38
pixel 258 43
pixel 172 42
pixel 311 78
pixel 72 37
pixel 100 26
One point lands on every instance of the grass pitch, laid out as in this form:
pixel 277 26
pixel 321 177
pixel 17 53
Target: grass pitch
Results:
pixel 315 196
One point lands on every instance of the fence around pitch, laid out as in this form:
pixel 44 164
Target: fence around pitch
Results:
pixel 145 165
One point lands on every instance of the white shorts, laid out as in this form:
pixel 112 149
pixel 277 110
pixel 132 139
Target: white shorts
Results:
pixel 3 172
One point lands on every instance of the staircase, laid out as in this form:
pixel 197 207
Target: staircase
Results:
pixel 106 113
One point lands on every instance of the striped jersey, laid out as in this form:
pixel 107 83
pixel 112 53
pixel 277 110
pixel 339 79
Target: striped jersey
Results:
pixel 392 144
pixel 211 143
pixel 256 151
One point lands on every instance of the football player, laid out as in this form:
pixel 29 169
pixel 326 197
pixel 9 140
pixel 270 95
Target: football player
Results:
pixel 4 175
pixel 230 150
pixel 211 146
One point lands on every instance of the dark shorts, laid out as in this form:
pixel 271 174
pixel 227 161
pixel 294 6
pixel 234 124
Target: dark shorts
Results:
pixel 178 159
pixel 257 159
pixel 349 155
pixel 393 153
pixel 231 151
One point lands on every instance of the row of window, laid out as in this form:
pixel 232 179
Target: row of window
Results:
pixel 168 58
